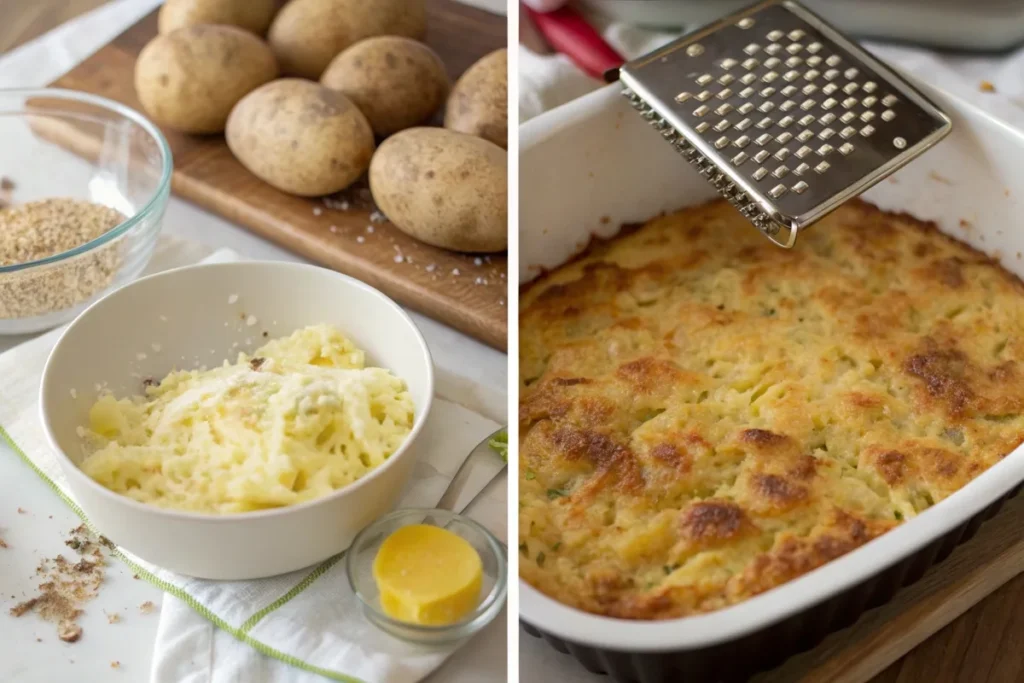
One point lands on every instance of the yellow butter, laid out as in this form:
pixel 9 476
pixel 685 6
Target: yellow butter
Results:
pixel 427 575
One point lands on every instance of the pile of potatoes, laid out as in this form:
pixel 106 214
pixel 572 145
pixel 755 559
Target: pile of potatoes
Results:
pixel 305 94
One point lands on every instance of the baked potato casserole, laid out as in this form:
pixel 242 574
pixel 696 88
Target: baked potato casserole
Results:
pixel 705 416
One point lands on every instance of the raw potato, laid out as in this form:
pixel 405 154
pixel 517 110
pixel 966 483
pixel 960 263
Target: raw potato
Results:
pixel 478 104
pixel 397 82
pixel 307 34
pixel 252 15
pixel 189 79
pixel 444 188
pixel 301 137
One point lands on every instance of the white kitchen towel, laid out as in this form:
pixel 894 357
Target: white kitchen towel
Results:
pixel 546 81
pixel 309 618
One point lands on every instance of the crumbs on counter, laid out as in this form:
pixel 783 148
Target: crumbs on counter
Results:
pixel 987 86
pixel 68 585
pixel 115 664
pixel 22 511
pixel 147 607
pixel 113 617
pixel 3 543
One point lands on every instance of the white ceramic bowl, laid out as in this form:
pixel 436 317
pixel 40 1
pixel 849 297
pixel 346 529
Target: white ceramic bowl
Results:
pixel 189 317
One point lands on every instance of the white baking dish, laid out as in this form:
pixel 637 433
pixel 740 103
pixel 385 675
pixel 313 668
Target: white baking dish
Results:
pixel 592 165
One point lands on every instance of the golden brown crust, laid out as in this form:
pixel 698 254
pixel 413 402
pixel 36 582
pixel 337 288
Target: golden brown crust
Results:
pixel 704 416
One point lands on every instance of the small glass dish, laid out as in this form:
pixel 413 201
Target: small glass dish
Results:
pixel 359 566
pixel 67 144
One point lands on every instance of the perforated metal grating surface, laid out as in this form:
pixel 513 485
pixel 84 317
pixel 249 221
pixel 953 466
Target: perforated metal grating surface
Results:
pixel 785 116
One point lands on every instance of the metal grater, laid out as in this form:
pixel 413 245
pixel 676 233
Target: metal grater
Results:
pixel 785 116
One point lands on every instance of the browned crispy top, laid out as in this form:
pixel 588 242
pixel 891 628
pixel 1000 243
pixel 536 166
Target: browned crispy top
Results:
pixel 705 416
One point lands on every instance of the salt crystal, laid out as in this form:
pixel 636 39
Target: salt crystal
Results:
pixel 399 258
pixel 250 321
pixel 333 228
pixel 501 302
pixel 455 271
pixel 233 299
pixel 317 211
pixel 360 239
pixel 74 393
pixel 377 217
pixel 431 267
pixel 370 229
pixel 478 261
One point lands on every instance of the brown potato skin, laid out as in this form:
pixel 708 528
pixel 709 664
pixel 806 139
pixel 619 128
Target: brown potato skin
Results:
pixel 478 104
pixel 443 188
pixel 307 34
pixel 190 78
pixel 252 15
pixel 300 137
pixel 396 82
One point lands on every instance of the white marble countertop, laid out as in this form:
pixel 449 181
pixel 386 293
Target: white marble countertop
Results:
pixel 30 652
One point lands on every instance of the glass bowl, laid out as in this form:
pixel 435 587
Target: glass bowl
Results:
pixel 67 144
pixel 359 565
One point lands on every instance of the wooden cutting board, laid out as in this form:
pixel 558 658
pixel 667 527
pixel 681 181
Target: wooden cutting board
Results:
pixel 883 635
pixel 467 292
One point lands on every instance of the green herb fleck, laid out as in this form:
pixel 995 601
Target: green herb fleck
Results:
pixel 899 515
pixel 530 475
pixel 557 493
pixel 524 549
pixel 650 585
pixel 500 444
pixel 540 559
pixel 556 546
pixel 669 568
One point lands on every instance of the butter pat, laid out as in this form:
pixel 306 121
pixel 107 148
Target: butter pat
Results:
pixel 427 575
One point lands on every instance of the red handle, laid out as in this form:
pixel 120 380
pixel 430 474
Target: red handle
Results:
pixel 567 32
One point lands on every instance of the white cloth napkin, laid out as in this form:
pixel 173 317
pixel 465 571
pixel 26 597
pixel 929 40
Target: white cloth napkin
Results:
pixel 309 618
pixel 546 81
